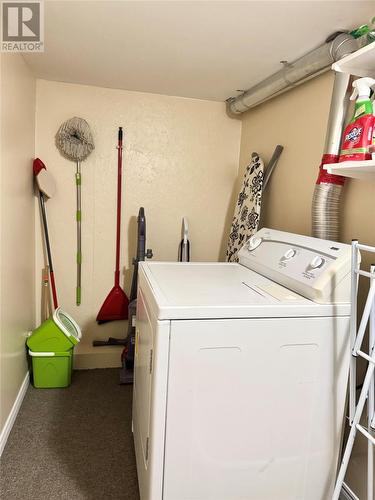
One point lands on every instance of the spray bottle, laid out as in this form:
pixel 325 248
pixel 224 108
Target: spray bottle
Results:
pixel 358 133
pixel 372 147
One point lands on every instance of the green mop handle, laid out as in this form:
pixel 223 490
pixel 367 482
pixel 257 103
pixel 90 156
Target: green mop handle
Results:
pixel 78 219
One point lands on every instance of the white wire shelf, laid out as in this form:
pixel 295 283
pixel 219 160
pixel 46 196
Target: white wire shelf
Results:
pixel 359 63
pixel 354 169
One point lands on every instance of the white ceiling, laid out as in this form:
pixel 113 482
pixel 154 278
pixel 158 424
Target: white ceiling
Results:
pixel 202 49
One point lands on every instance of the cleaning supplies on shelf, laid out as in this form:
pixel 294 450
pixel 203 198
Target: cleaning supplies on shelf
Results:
pixel 357 137
pixel 75 142
pixel 365 30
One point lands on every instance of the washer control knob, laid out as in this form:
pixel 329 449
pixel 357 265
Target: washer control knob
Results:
pixel 253 243
pixel 289 254
pixel 317 262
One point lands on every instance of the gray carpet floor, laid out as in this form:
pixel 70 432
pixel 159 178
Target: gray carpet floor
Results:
pixel 73 443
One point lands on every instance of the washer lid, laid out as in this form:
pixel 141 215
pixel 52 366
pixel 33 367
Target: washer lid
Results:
pixel 221 290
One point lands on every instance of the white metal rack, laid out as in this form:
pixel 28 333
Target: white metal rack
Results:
pixel 368 389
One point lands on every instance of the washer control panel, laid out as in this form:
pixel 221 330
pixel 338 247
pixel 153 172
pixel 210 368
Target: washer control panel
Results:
pixel 306 265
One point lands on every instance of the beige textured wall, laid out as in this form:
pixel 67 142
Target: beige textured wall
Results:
pixel 297 120
pixel 17 224
pixel 180 158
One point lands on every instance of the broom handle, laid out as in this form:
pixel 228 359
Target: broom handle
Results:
pixel 79 237
pixel 48 248
pixel 119 185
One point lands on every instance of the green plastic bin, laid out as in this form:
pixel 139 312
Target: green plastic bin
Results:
pixel 52 370
pixel 57 334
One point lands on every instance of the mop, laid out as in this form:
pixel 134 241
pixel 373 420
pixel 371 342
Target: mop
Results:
pixel 249 202
pixel 74 141
pixel 46 189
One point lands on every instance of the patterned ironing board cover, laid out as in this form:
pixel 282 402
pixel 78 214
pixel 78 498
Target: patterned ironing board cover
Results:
pixel 247 210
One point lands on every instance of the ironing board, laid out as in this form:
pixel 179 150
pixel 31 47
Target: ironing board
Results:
pixel 247 211
pixel 249 201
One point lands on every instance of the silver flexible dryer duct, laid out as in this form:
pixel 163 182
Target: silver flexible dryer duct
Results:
pixel 328 188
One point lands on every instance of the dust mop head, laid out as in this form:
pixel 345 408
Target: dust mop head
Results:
pixel 74 139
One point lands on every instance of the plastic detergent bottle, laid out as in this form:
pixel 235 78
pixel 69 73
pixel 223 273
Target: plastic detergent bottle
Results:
pixel 358 133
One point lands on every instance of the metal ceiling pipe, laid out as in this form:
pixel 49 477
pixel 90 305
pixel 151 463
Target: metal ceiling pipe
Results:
pixel 306 67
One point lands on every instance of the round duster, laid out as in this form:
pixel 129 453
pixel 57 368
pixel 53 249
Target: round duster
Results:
pixel 74 141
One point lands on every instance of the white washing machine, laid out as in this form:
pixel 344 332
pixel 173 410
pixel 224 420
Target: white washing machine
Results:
pixel 241 372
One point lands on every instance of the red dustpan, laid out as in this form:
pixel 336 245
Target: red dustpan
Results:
pixel 115 306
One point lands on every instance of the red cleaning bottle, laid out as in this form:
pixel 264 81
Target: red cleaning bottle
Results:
pixel 358 133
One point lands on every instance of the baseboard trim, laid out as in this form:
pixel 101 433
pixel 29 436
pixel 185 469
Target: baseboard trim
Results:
pixel 13 413
pixel 87 357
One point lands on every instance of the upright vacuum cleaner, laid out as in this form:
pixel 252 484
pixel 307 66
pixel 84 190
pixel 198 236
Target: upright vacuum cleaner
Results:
pixel 127 356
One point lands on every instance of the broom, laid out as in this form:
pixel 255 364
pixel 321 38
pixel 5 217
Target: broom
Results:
pixel 115 306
